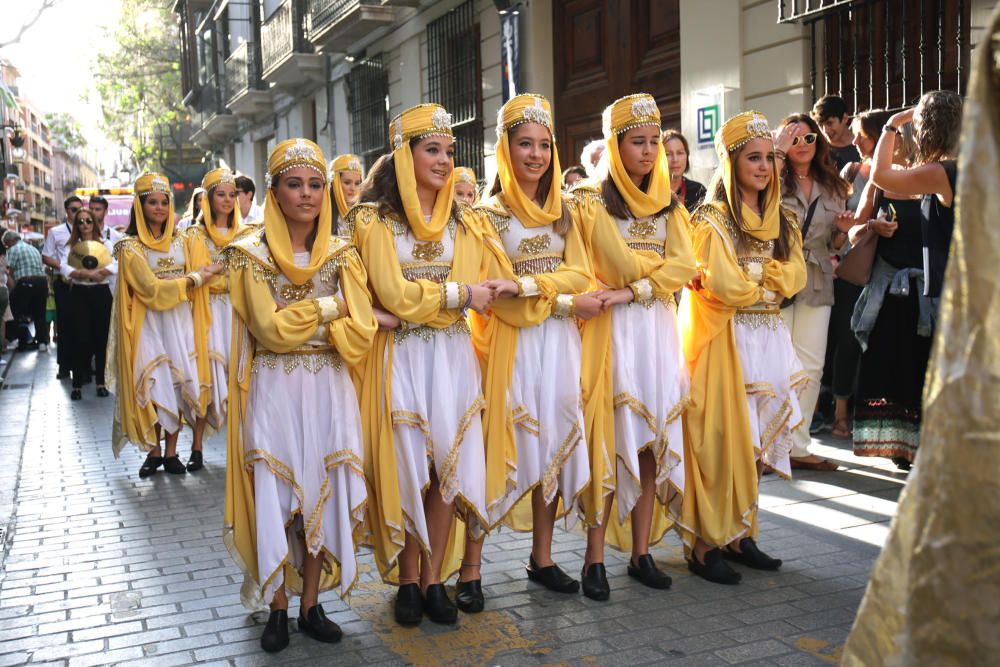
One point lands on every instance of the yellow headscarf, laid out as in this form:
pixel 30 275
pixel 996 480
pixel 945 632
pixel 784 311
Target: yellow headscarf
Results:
pixel 209 182
pixel 342 163
pixel 738 131
pixel 518 110
pixel 287 155
pixel 621 116
pixel 145 184
pixel 466 175
pixel 423 120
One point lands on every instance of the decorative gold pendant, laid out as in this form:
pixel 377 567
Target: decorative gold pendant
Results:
pixel 642 228
pixel 165 262
pixel 427 251
pixel 534 245
pixel 292 293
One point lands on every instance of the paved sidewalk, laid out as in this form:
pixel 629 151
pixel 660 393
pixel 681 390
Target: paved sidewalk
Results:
pixel 101 567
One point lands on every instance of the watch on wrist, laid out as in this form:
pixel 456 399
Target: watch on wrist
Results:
pixel 890 128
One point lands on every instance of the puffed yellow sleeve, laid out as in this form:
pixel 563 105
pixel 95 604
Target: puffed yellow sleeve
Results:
pixel 352 334
pixel 277 330
pixel 417 301
pixel 788 277
pixel 721 275
pixel 154 293
pixel 679 265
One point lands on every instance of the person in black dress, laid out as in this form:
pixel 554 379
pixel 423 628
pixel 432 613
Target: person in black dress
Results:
pixel 692 193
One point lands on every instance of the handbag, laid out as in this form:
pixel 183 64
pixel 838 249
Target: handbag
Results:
pixel 785 303
pixel 856 266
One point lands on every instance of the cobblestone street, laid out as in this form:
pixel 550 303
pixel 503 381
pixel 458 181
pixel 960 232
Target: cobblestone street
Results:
pixel 100 567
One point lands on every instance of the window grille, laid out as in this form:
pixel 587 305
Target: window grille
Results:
pixel 368 105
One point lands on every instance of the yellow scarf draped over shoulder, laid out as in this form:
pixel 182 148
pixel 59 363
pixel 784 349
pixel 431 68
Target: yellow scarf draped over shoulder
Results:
pixel 420 122
pixel 341 164
pixel 516 112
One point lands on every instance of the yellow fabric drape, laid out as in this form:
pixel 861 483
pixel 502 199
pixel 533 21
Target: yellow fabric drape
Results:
pixel 640 203
pixel 616 266
pixel 734 134
pixel 498 344
pixel 416 302
pixel 219 237
pixel 424 230
pixel 256 322
pixel 137 290
pixel 343 163
pixel 527 211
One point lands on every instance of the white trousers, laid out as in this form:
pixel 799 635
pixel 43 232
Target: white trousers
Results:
pixel 808 326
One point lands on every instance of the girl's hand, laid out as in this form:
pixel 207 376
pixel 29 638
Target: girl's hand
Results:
pixel 587 306
pixel 502 288
pixel 902 118
pixel 844 221
pixel 783 137
pixel 884 228
pixel 482 297
pixel 616 296
pixel 385 319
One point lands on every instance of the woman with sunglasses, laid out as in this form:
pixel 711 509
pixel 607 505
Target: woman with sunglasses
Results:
pixel 89 269
pixel 813 190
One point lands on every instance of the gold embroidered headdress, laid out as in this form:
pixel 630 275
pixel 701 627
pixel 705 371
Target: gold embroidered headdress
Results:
pixel 517 111
pixel 209 182
pixel 144 185
pixel 288 155
pixel 622 115
pixel 342 163
pixel 423 120
pixel 733 135
pixel 465 175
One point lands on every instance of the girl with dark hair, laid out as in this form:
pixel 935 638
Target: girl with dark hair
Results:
pixel 422 398
pixel 634 382
pixel 346 175
pixel 89 269
pixel 812 189
pixel 533 347
pixel 896 323
pixel 159 376
pixel 675 146
pixel 745 374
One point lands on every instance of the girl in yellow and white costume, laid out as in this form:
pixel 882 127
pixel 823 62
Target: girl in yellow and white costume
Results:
pixel 744 370
pixel 534 349
pixel 346 174
pixel 160 370
pixel 421 389
pixel 217 225
pixel 295 493
pixel 466 187
pixel 634 379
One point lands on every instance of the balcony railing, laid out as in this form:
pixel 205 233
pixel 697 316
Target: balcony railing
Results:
pixel 241 74
pixel 791 11
pixel 281 35
pixel 324 12
pixel 210 101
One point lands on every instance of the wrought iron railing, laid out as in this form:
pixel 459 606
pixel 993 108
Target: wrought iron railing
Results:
pixel 790 11
pixel 240 75
pixel 368 89
pixel 281 34
pixel 321 13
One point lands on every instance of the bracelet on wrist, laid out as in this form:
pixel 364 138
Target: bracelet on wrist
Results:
pixel 468 296
pixel 890 128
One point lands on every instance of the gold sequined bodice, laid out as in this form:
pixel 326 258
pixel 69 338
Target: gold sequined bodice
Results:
pixel 425 260
pixel 645 235
pixel 167 265
pixel 532 250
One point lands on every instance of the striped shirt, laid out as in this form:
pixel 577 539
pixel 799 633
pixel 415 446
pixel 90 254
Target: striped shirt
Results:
pixel 25 261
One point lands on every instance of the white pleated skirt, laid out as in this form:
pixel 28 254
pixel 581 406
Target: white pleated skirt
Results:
pixel 651 387
pixel 166 367
pixel 774 378
pixel 548 417
pixel 437 405
pixel 302 436
pixel 219 344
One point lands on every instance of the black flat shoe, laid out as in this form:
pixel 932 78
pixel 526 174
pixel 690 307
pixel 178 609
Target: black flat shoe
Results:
pixel 469 596
pixel 751 556
pixel 150 465
pixel 438 606
pixel 552 577
pixel 275 636
pixel 409 605
pixel 595 582
pixel 714 569
pixel 647 573
pixel 61 374
pixel 319 627
pixel 195 463
pixel 75 395
pixel 174 466
pixel 102 391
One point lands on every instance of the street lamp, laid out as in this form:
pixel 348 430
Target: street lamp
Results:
pixel 17 152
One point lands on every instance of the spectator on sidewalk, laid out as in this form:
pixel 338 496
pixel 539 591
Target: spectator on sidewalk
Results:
pixel 830 112
pixel 572 176
pixel 54 252
pixel 675 145
pixel 31 288
pixel 252 213
pixel 98 205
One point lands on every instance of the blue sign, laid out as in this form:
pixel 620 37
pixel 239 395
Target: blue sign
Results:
pixel 708 124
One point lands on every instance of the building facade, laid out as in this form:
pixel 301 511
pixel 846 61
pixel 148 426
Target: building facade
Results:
pixel 336 71
pixel 35 187
pixel 71 170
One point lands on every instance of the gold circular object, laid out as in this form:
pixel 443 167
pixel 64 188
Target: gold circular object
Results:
pixel 89 255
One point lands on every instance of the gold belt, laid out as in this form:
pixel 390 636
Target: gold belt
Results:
pixel 426 333
pixel 312 358
pixel 755 317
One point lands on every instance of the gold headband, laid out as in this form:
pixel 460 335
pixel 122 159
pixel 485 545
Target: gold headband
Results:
pixel 465 175
pixel 346 162
pixel 151 182
pixel 630 112
pixel 423 120
pixel 295 153
pixel 218 176
pixel 739 130
pixel 525 108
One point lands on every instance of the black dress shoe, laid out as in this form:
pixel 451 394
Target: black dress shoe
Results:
pixel 102 391
pixel 751 556
pixel 647 572
pixel 195 463
pixel 469 596
pixel 173 465
pixel 275 636
pixel 552 577
pixel 61 374
pixel 75 395
pixel 150 465
pixel 595 582
pixel 438 606
pixel 714 569
pixel 319 627
pixel 409 606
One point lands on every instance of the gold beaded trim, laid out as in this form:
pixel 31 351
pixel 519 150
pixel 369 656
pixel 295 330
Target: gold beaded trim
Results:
pixel 501 223
pixel 311 360
pixel 426 333
pixel 564 307
pixel 651 245
pixel 529 266
pixel 437 272
pixel 238 259
pixel 755 319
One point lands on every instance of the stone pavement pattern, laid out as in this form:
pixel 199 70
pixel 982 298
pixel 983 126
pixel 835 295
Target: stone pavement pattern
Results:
pixel 100 567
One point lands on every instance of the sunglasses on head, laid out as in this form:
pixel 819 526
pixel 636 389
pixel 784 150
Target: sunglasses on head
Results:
pixel 808 139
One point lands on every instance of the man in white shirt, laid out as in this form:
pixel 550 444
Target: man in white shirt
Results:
pixel 54 253
pixel 99 207
pixel 245 189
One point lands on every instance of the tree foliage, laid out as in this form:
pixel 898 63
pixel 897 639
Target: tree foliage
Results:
pixel 137 75
pixel 65 131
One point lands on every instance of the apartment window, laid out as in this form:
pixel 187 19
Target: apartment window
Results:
pixel 455 80
pixel 368 105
